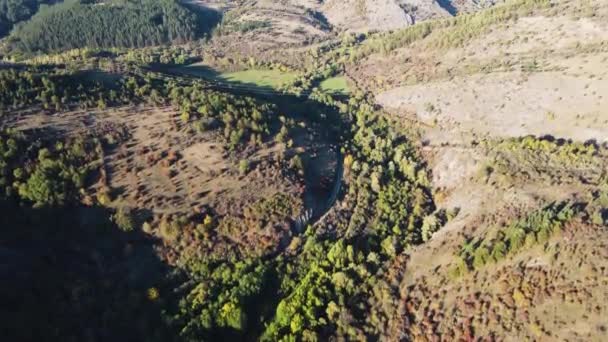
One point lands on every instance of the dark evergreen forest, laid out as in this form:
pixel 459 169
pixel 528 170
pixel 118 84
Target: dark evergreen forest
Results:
pixel 127 23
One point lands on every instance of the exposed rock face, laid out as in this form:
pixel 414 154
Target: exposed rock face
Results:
pixel 379 15
pixel 349 15
pixel 383 15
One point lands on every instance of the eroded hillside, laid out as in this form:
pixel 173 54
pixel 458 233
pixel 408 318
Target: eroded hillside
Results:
pixel 511 111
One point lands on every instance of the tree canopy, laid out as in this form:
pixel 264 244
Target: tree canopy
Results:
pixel 128 23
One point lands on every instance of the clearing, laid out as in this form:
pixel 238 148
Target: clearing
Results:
pixel 257 79
pixel 336 85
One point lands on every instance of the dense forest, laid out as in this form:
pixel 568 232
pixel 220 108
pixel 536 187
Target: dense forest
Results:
pixel 131 23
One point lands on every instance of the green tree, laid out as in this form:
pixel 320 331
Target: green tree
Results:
pixel 45 186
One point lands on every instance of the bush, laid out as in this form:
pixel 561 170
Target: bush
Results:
pixel 146 228
pixel 459 268
pixel 297 164
pixel 45 187
pixel 598 217
pixel 124 219
pixel 103 197
pixel 168 230
pixel 481 257
pixel 244 166
pixel 433 223
pixel 499 251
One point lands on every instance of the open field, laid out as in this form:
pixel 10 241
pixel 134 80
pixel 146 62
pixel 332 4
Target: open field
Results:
pixel 507 104
pixel 336 85
pixel 262 78
pixel 257 78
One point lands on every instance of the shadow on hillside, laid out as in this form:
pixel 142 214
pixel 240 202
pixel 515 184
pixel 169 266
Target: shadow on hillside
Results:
pixel 68 274
pixel 218 80
pixel 209 18
pixel 447 5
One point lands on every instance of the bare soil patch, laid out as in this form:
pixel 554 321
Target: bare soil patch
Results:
pixel 507 105
pixel 166 168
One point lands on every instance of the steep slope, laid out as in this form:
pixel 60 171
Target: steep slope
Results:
pixel 13 12
pixel 263 30
pixel 383 15
pixel 139 23
pixel 511 71
pixel 511 110
pixel 288 16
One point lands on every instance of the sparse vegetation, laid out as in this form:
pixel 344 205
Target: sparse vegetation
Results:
pixel 449 32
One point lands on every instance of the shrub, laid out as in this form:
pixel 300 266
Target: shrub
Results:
pixel 459 268
pixel 103 197
pixel 168 230
pixel 481 257
pixel 153 294
pixel 499 251
pixel 597 217
pixel 244 166
pixel 146 228
pixel 124 219
pixel 297 164
pixel 519 298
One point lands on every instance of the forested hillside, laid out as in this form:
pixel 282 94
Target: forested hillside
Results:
pixel 131 23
